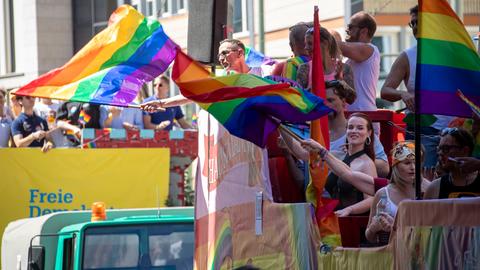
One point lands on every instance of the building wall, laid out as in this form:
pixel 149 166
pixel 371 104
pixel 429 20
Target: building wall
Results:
pixel 43 39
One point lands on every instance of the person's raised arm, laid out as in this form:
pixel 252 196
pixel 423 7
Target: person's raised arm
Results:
pixel 398 73
pixel 363 182
pixel 160 105
pixel 356 51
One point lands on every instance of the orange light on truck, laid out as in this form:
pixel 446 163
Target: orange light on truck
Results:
pixel 98 211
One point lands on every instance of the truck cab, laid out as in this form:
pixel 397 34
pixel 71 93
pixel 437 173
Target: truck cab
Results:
pixel 128 239
pixel 146 242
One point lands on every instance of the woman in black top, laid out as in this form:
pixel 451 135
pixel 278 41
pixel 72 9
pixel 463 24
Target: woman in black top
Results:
pixel 360 157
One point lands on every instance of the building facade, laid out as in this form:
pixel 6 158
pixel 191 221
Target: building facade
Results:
pixel 39 35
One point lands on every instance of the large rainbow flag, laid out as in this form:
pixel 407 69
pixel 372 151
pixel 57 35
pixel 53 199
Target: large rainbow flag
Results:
pixel 113 66
pixel 447 60
pixel 324 208
pixel 248 106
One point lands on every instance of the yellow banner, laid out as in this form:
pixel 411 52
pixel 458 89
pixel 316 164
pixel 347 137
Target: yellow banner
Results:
pixel 33 183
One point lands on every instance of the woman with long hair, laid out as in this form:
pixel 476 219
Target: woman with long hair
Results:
pixel 360 157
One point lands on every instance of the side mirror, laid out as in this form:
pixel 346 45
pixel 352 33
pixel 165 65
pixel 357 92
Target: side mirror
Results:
pixel 36 258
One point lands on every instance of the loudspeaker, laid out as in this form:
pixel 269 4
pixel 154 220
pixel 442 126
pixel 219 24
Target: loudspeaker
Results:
pixel 207 20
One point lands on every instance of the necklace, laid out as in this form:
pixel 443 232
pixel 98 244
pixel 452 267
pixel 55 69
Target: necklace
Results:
pixel 468 178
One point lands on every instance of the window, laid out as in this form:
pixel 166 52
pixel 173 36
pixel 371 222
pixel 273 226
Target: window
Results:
pixel 111 251
pixel 149 11
pixel 181 6
pixel 68 253
pixel 175 248
pixel 240 16
pixel 356 6
pixel 165 8
pixel 90 17
pixel 101 13
pixel 7 60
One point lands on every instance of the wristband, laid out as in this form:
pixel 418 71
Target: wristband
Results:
pixel 323 153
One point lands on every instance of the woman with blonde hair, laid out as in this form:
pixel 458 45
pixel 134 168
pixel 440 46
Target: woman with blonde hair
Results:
pixel 386 200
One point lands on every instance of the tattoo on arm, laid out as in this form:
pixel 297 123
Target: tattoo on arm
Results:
pixel 302 75
pixel 348 75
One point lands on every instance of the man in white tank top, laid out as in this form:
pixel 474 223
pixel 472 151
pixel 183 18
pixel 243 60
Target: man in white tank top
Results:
pixel 364 59
pixel 404 69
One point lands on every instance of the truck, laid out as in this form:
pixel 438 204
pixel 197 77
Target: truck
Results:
pixel 160 238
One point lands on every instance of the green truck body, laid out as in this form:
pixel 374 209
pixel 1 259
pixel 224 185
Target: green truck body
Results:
pixel 128 239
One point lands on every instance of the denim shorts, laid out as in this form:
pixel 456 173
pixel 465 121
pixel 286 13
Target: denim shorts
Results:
pixel 430 141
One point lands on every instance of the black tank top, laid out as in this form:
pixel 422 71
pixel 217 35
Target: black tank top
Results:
pixel 449 191
pixel 343 191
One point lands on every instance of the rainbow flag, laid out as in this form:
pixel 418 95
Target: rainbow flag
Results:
pixel 254 58
pixel 470 103
pixel 324 208
pixel 113 66
pixel 90 144
pixel 291 66
pixel 447 60
pixel 248 106
pixel 83 117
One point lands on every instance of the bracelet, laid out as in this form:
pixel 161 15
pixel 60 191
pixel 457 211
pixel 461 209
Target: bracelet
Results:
pixel 323 153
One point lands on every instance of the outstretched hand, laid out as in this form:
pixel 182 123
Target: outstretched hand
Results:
pixel 153 106
pixel 312 146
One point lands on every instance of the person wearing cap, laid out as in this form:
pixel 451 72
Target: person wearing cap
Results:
pixel 401 186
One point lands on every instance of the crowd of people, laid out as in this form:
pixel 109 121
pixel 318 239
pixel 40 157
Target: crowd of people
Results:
pixel 44 123
pixel 356 156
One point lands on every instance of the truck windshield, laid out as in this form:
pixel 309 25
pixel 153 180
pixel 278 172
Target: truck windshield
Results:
pixel 151 246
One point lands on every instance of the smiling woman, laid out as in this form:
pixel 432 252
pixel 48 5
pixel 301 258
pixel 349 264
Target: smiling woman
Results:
pixel 360 158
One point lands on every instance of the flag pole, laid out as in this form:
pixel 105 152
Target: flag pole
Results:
pixel 417 124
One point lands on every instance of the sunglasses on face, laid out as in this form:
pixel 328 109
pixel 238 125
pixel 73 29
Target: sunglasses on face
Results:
pixel 412 23
pixel 448 131
pixel 225 52
pixel 446 148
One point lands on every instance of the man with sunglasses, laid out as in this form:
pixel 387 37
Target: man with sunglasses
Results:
pixel 455 144
pixel 163 120
pixel 364 59
pixel 403 69
pixel 232 58
pixel 29 129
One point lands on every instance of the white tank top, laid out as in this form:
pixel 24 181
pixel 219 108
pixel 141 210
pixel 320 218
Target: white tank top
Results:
pixel 442 120
pixel 365 77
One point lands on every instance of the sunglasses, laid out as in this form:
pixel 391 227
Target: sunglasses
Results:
pixel 446 148
pixel 413 23
pixel 449 131
pixel 226 52
pixel 332 83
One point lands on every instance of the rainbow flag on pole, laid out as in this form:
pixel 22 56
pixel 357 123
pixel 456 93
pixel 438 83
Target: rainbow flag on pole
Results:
pixel 246 105
pixel 447 60
pixel 113 66
pixel 324 208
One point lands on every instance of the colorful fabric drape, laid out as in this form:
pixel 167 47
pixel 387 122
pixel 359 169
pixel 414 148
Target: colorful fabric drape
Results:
pixel 254 58
pixel 291 66
pixel 246 105
pixel 113 66
pixel 447 60
pixel 326 219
